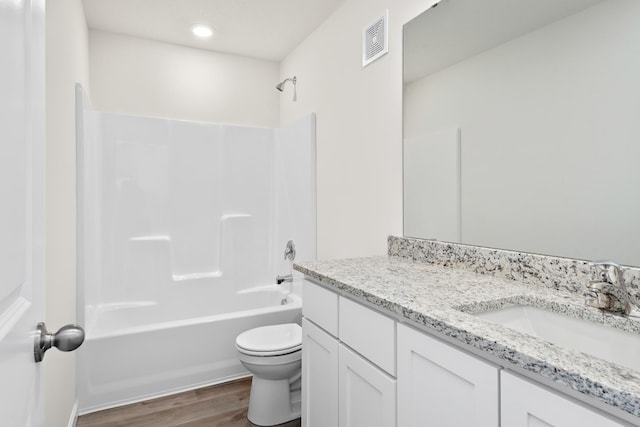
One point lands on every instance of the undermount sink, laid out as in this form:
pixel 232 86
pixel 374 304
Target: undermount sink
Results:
pixel 605 342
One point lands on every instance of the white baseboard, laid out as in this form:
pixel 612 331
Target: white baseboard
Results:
pixel 73 419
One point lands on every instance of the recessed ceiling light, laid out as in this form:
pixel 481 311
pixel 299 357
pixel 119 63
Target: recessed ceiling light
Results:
pixel 202 31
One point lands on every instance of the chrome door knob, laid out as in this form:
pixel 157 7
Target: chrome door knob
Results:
pixel 68 338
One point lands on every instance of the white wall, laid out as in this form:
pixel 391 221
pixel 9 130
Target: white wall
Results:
pixel 359 111
pixel 549 125
pixel 137 76
pixel 359 126
pixel 67 62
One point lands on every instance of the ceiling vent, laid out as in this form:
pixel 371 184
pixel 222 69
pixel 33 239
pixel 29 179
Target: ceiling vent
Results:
pixel 375 39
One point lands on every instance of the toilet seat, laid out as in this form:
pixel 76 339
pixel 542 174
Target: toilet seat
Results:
pixel 274 340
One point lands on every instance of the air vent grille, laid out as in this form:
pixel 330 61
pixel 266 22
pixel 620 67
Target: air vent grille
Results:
pixel 374 40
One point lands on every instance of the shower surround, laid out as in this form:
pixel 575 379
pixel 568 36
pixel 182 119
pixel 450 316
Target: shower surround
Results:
pixel 182 228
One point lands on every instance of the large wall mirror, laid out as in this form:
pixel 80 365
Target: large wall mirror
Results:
pixel 522 126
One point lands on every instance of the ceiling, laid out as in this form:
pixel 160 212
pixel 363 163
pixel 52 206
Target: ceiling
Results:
pixel 256 28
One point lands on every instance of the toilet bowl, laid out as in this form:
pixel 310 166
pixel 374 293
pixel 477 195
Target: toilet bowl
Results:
pixel 273 354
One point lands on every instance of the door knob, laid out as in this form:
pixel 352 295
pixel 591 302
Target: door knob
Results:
pixel 68 338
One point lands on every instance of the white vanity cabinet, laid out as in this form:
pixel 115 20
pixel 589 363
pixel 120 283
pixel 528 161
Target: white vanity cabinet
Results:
pixel 442 386
pixel 368 332
pixel 525 404
pixel 347 365
pixel 320 377
pixel 367 361
pixel 319 356
pixel 362 368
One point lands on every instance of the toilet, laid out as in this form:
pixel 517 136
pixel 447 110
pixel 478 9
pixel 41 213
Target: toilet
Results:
pixel 273 354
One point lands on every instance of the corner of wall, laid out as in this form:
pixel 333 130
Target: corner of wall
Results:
pixel 66 63
pixel 359 126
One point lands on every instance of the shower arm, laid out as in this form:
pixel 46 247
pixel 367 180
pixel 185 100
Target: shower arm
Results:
pixel 294 80
pixel 280 86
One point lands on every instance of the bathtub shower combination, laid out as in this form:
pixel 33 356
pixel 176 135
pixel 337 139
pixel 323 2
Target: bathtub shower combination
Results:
pixel 182 229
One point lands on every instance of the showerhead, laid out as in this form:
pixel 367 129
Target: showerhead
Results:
pixel 280 86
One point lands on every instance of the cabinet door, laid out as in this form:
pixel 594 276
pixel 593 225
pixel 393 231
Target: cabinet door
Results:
pixel 525 404
pixel 441 386
pixel 319 377
pixel 367 395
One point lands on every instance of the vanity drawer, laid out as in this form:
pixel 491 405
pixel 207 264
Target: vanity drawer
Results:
pixel 320 306
pixel 368 332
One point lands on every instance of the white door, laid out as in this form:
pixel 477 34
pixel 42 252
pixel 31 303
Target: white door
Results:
pixel 21 208
pixel 319 377
pixel 441 386
pixel 366 395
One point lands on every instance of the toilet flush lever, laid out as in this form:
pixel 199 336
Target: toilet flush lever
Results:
pixel 68 338
pixel 290 251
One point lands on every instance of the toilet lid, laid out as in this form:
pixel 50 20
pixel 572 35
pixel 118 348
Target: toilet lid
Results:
pixel 271 340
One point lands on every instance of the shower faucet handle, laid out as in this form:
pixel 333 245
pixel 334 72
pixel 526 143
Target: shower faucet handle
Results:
pixel 290 251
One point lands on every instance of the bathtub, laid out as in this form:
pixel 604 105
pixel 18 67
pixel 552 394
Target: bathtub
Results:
pixel 139 350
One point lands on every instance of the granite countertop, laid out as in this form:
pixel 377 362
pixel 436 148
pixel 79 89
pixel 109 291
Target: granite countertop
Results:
pixel 443 298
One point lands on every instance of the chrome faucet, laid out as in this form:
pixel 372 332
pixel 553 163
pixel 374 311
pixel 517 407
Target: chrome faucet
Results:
pixel 607 290
pixel 285 278
pixel 290 254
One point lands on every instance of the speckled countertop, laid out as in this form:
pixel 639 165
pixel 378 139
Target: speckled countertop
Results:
pixel 443 298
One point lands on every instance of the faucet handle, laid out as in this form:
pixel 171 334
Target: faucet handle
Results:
pixel 607 271
pixel 290 251
pixel 608 290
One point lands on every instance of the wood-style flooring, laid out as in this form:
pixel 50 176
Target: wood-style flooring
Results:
pixel 223 405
